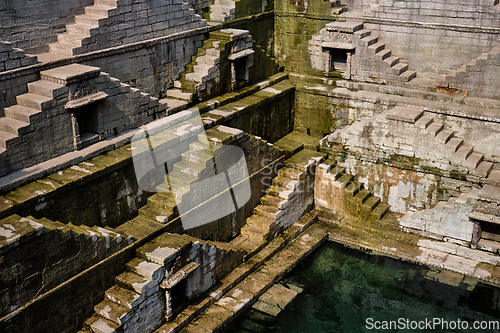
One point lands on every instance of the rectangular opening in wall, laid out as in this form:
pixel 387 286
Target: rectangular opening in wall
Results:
pixel 87 118
pixel 241 70
pixel 338 59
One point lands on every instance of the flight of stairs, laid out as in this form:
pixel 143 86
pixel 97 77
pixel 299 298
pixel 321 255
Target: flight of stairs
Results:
pixel 202 78
pixel 222 10
pixel 384 64
pixel 353 199
pixel 474 70
pixel 407 131
pixel 79 33
pixel 283 204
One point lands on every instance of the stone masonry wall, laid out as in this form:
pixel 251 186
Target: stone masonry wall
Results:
pixel 41 262
pixel 32 25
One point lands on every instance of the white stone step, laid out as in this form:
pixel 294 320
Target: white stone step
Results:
pixel 13 126
pixel 88 19
pixel 70 38
pixel 22 113
pixel 80 29
pixel 47 88
pixel 204 69
pixel 99 10
pixel 179 94
pixel 63 48
pixel 208 60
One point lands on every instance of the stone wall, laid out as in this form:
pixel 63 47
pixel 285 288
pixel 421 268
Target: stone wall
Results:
pixel 32 25
pixel 51 254
pixel 12 58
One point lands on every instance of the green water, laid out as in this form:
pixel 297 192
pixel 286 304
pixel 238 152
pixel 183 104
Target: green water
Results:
pixel 344 287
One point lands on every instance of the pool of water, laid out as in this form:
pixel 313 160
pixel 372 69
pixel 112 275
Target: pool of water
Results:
pixel 347 290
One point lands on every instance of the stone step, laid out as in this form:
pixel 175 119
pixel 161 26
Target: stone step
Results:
pixel 208 60
pixel 484 169
pixel 254 230
pixel 198 157
pixel 80 29
pixel 360 34
pixel 408 76
pixel 280 192
pixel 179 94
pixel 377 47
pixel 405 114
pixel 213 52
pixel 353 188
pixel 124 297
pixel 69 38
pixel 454 144
pixel 346 180
pixel 157 214
pixel 180 179
pixel 361 197
pixel 292 173
pixel 197 77
pixel 271 200
pixel 424 121
pixel 110 3
pixel 399 68
pixel 14 126
pixel 92 20
pixel 380 211
pixel 268 211
pixel 464 151
pixel 204 69
pixel 114 312
pixel 139 227
pixel 64 48
pixel 392 61
pixel 162 201
pixel 434 128
pixel 8 140
pixel 285 182
pixel 199 146
pixel 22 113
pixel 136 283
pixel 368 40
pixel 146 269
pixel 100 325
pixel 473 160
pixel 192 169
pixel 262 221
pixel 337 171
pixel 35 101
pixel 444 136
pixel 383 54
pixel 371 203
pixel 47 88
pixel 99 10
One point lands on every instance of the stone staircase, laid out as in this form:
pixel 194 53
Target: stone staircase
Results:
pixel 201 78
pixel 12 58
pixel 47 95
pixel 473 73
pixel 349 197
pixel 47 253
pixel 222 10
pixel 16 230
pixel 135 303
pixel 111 23
pixel 383 62
pixel 446 220
pixel 409 132
pixel 286 200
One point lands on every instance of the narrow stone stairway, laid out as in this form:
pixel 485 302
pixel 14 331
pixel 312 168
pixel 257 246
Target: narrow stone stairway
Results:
pixel 286 200
pixel 79 34
pixel 408 131
pixel 352 198
pixel 222 11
